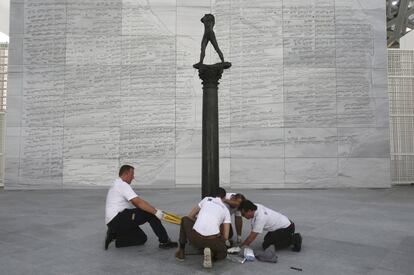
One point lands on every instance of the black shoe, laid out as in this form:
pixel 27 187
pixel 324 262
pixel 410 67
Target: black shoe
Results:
pixel 297 242
pixel 109 238
pixel 168 244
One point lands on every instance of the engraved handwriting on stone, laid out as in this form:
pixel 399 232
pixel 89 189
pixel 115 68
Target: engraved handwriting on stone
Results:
pixel 120 69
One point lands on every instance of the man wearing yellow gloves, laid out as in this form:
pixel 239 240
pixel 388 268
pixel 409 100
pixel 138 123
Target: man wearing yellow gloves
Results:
pixel 125 211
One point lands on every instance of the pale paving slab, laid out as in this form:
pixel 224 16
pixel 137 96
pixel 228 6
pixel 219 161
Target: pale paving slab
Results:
pixel 345 231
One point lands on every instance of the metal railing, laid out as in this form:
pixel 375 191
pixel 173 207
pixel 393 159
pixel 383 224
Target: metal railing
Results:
pixel 3 102
pixel 401 95
pixel 3 75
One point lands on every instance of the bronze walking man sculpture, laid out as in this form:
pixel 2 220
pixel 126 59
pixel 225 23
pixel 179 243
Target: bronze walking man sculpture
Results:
pixel 208 21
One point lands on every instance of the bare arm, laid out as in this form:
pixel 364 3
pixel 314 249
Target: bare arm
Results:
pixel 140 203
pixel 226 230
pixel 239 224
pixel 252 236
pixel 192 215
pixel 232 203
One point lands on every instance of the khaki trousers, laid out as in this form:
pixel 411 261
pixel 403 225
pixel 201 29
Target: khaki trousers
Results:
pixel 215 243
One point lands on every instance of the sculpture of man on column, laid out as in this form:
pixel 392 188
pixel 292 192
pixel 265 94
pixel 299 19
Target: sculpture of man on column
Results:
pixel 208 21
pixel 210 76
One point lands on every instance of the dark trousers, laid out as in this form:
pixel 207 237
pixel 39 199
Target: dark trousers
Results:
pixel 126 228
pixel 280 238
pixel 215 243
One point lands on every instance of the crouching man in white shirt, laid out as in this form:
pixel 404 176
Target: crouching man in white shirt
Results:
pixel 204 231
pixel 125 212
pixel 281 231
pixel 232 201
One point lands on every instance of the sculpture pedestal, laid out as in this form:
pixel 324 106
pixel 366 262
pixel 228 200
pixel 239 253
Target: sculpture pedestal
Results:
pixel 210 75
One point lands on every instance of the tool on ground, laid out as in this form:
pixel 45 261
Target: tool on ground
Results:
pixel 236 259
pixel 171 218
pixel 234 250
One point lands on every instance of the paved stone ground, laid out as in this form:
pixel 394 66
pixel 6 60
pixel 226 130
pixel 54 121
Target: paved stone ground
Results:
pixel 345 231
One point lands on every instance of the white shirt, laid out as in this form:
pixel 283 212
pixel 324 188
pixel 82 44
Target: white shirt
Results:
pixel 212 214
pixel 266 219
pixel 118 199
pixel 233 211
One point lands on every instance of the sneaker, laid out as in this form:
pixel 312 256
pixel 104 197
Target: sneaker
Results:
pixel 207 263
pixel 109 238
pixel 168 244
pixel 297 242
pixel 179 255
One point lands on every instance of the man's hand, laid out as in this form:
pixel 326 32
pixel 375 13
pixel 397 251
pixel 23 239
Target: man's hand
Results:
pixel 252 236
pixel 159 214
pixel 239 239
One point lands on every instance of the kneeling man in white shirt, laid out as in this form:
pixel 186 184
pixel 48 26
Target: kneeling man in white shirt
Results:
pixel 204 231
pixel 125 211
pixel 280 230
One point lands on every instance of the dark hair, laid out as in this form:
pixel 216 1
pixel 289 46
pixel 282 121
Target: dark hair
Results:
pixel 125 168
pixel 240 196
pixel 247 205
pixel 220 192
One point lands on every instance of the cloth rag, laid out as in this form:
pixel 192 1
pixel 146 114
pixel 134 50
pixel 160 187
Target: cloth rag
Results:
pixel 267 256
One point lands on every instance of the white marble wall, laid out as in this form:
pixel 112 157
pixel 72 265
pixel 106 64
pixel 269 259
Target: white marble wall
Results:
pixel 96 84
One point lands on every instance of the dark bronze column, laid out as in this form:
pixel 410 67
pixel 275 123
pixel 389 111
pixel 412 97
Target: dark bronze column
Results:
pixel 210 75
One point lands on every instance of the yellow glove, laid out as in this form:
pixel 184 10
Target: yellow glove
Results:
pixel 171 218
